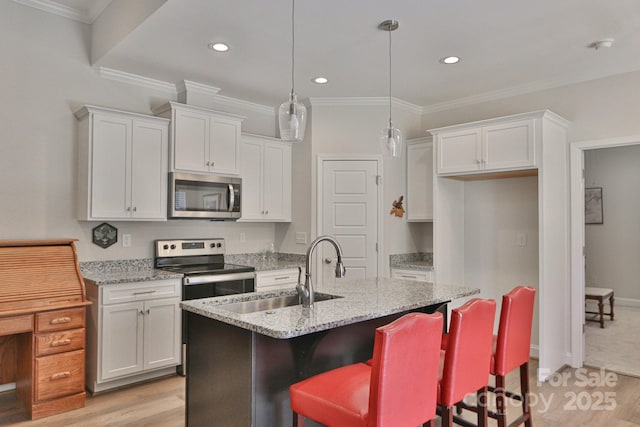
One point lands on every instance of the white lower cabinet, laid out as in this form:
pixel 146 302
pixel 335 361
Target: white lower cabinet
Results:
pixel 417 275
pixel 277 279
pixel 137 334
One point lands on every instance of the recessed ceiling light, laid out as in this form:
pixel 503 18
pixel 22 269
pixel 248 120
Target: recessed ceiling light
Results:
pixel 219 47
pixel 320 80
pixel 450 60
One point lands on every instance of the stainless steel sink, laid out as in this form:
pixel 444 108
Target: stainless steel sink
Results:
pixel 272 303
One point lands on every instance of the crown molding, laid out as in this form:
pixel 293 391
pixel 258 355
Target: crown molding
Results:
pixel 55 8
pixel 199 88
pixel 247 105
pixel 378 101
pixel 135 79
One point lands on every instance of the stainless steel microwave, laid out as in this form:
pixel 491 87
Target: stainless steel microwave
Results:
pixel 204 196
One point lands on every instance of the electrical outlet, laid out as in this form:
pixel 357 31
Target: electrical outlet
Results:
pixel 521 238
pixel 126 240
pixel 301 237
pixel 243 237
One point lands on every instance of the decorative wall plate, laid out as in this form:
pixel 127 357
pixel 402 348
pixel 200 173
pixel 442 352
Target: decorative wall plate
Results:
pixel 105 235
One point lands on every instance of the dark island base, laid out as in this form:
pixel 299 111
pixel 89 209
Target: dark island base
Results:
pixel 240 378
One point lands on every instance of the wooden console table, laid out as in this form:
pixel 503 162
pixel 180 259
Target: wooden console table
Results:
pixel 42 324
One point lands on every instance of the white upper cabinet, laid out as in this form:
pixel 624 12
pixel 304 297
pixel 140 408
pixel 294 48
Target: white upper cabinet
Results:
pixel 266 179
pixel 419 203
pixel 122 171
pixel 489 146
pixel 202 140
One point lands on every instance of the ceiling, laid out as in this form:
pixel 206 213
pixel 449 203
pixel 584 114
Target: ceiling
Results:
pixel 507 47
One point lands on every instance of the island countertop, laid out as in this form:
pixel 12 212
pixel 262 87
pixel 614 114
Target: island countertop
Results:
pixel 361 300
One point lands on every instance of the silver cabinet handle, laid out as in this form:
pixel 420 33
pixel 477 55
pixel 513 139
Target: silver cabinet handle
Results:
pixel 328 260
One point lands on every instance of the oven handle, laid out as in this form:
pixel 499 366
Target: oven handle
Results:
pixel 217 278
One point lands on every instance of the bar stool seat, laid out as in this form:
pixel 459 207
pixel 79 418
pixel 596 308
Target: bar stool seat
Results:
pixel 599 295
pixel 397 389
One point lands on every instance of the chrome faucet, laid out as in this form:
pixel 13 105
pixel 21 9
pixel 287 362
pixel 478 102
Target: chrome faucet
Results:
pixel 305 290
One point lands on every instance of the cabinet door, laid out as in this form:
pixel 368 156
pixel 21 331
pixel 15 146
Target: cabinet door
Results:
pixel 224 156
pixel 122 340
pixel 110 175
pixel 251 172
pixel 277 182
pixel 162 319
pixel 191 141
pixel 420 182
pixel 149 171
pixel 509 145
pixel 459 151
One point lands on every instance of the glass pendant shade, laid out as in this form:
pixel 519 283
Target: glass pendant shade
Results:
pixel 292 118
pixel 391 143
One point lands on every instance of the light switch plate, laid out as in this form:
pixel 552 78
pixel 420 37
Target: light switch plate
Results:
pixel 126 240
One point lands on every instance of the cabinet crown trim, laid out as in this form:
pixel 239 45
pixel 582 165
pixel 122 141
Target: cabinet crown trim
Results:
pixel 256 137
pixel 171 105
pixel 89 109
pixel 482 123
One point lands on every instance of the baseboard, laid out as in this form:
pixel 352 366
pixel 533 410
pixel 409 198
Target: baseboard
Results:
pixel 627 302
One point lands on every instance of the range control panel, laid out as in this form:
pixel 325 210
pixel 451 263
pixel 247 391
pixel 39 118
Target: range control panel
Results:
pixel 169 248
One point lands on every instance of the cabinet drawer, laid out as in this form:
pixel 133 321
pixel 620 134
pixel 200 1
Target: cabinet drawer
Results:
pixel 418 275
pixel 58 342
pixel 59 375
pixel 129 292
pixel 277 278
pixel 59 320
pixel 16 324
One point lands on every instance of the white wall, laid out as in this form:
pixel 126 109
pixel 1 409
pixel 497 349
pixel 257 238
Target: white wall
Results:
pixel 46 76
pixel 612 248
pixel 354 130
pixel 495 213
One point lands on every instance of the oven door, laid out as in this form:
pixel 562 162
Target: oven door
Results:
pixel 206 286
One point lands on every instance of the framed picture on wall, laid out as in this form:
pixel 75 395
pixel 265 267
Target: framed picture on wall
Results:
pixel 593 205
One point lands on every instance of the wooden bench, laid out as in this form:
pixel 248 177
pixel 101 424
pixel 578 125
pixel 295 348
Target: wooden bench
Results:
pixel 600 294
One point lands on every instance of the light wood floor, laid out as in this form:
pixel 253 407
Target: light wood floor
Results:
pixel 579 402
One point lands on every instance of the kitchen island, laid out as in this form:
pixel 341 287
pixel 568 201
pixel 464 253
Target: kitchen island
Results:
pixel 240 365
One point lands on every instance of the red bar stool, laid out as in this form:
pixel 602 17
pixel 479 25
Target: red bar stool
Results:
pixel 465 362
pixel 511 349
pixel 398 388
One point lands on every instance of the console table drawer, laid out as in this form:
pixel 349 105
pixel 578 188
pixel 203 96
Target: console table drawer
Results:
pixel 59 375
pixel 58 342
pixel 60 319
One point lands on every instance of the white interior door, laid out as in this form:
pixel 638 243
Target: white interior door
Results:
pixel 349 210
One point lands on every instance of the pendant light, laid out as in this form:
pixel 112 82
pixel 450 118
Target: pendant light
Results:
pixel 292 116
pixel 391 138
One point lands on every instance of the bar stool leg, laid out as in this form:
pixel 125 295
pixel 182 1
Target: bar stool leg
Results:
pixel 524 389
pixel 483 411
pixel 446 416
pixel 500 401
pixel 298 420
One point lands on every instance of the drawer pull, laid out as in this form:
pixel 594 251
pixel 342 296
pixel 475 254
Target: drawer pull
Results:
pixel 409 276
pixel 60 375
pixel 60 320
pixel 60 343
pixel 143 292
pixel 281 278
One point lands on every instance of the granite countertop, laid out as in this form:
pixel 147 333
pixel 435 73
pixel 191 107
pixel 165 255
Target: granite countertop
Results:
pixel 413 265
pixel 124 271
pixel 267 262
pixel 361 300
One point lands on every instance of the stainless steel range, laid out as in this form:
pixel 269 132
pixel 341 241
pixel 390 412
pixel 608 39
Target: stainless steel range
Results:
pixel 205 272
